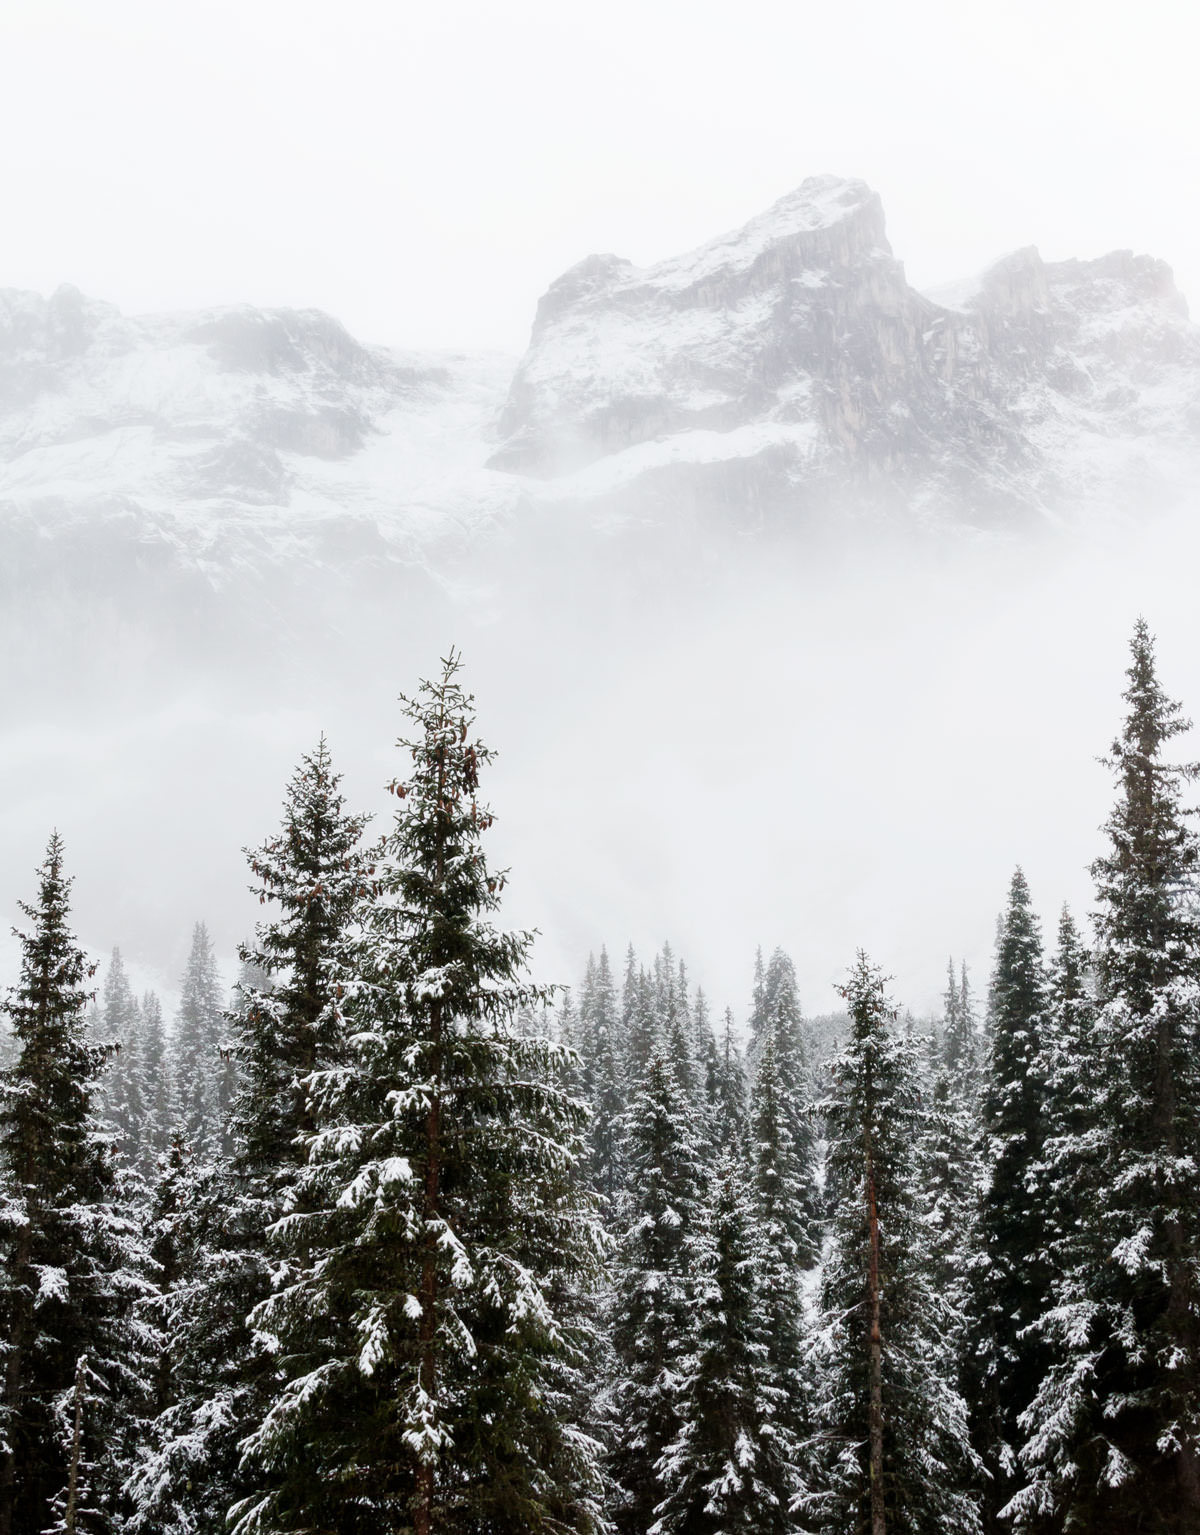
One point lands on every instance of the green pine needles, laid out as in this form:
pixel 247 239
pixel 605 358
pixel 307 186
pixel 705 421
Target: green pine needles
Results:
pixel 424 1309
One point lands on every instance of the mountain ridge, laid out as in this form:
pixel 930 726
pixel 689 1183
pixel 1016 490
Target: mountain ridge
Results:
pixel 779 376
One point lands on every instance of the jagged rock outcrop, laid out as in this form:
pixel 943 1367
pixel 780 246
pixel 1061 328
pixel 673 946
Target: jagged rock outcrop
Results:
pixel 792 364
pixel 231 434
pixel 784 373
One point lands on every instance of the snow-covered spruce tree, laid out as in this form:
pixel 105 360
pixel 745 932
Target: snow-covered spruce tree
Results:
pixel 960 1039
pixel 729 1467
pixel 639 1023
pixel 199 1035
pixel 71 1265
pixel 1114 1435
pixel 285 1022
pixel 725 1083
pixel 1012 1282
pixel 181 1482
pixel 439 1222
pixel 780 1196
pixel 791 1147
pixel 285 1026
pixel 890 1447
pixel 158 1095
pixel 953 1172
pixel 123 1095
pixel 653 1325
pixel 599 1017
pixel 673 1023
pixel 1071 1072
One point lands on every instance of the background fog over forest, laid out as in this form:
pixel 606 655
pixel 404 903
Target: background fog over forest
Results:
pixel 856 754
pixel 724 729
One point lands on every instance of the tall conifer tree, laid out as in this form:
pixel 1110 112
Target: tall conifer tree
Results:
pixel 653 1317
pixel 731 1467
pixel 1115 1431
pixel 1014 1280
pixel 890 1445
pixel 285 1025
pixel 422 1308
pixel 199 1035
pixel 71 1265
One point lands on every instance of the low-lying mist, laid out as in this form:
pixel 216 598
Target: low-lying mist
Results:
pixel 846 749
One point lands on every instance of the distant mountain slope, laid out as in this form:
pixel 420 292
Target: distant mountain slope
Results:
pixel 792 363
pixel 235 429
pixel 783 374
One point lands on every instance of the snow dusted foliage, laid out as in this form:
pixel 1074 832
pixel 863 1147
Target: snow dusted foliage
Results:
pixel 1013 1280
pixel 285 1026
pixel 1068 1067
pixel 725 1081
pixel 137 1092
pixel 123 1089
pixel 782 1121
pixel 653 1314
pixel 1113 1434
pixel 202 1077
pixel 423 1311
pixel 285 1020
pixel 781 1192
pixel 184 1479
pixel 960 1030
pixel 889 1446
pixel 731 1466
pixel 603 1084
pixel 72 1267
pixel 953 1165
pixel 158 1089
pixel 639 1021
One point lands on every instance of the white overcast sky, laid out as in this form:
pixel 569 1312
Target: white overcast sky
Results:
pixel 423 171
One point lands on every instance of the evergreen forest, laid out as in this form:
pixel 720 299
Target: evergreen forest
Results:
pixel 397 1240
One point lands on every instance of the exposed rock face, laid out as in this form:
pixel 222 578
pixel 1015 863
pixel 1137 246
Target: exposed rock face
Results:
pixel 783 372
pixel 231 437
pixel 795 352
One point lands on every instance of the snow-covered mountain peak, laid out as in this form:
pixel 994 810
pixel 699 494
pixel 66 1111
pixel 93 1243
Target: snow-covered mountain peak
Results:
pixel 794 354
pixel 780 373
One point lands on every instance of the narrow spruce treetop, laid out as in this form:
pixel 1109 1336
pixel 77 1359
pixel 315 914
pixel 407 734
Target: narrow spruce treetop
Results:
pixel 426 1283
pixel 879 1262
pixel 71 1263
pixel 124 1087
pixel 1114 1435
pixel 1147 928
pixel 45 1118
pixel 607 1086
pixel 726 1087
pixel 310 875
pixel 1014 1095
pixel 652 1316
pixel 781 1124
pixel 1069 1067
pixel 199 1030
pixel 1013 1283
pixel 283 1020
pixel 1148 949
pixel 960 1045
pixel 730 1468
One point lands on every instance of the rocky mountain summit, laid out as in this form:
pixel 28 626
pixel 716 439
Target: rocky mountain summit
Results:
pixel 792 363
pixel 778 375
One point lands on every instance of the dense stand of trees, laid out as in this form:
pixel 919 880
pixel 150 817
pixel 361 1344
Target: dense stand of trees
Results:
pixel 395 1240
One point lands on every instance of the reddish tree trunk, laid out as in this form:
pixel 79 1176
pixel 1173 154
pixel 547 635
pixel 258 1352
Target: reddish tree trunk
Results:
pixel 874 1362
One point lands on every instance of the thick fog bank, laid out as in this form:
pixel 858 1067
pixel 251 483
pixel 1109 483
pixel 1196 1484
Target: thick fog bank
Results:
pixel 741 745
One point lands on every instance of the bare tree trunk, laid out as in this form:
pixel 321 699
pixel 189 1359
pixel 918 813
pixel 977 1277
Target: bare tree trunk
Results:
pixel 76 1443
pixel 423 1514
pixel 874 1362
pixel 14 1369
